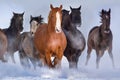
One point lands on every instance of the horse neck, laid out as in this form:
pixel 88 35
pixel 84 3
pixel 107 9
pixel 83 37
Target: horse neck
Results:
pixel 102 34
pixel 12 30
pixel 67 23
pixel 50 27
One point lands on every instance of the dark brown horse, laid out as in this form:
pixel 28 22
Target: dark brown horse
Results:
pixel 27 50
pixel 3 45
pixel 50 40
pixel 13 34
pixel 100 38
pixel 75 40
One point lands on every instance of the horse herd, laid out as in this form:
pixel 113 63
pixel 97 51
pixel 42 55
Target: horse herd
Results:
pixel 57 38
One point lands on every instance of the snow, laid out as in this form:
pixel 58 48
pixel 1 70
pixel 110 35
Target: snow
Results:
pixel 90 18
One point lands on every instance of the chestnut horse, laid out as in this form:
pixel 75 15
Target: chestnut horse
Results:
pixel 75 40
pixel 13 34
pixel 3 45
pixel 27 50
pixel 50 40
pixel 100 38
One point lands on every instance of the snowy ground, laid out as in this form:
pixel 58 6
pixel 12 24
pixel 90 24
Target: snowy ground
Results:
pixel 90 17
pixel 11 71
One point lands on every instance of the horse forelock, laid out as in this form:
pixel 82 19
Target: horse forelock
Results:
pixel 39 19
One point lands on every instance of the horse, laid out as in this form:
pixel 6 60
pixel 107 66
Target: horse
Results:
pixel 27 50
pixel 75 40
pixel 50 39
pixel 100 38
pixel 13 34
pixel 3 45
pixel 75 16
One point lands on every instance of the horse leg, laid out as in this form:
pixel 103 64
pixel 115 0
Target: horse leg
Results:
pixel 33 62
pixel 75 58
pixel 24 59
pixel 2 59
pixel 48 59
pixel 111 56
pixel 88 55
pixel 99 54
pixel 73 63
pixel 41 60
pixel 12 57
pixel 57 59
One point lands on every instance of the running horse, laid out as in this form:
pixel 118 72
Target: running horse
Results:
pixel 100 38
pixel 50 40
pixel 27 50
pixel 3 45
pixel 13 34
pixel 75 40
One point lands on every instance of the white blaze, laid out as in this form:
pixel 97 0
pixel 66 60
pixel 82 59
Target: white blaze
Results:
pixel 33 27
pixel 58 23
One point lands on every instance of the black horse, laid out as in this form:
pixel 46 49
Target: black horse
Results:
pixel 13 33
pixel 75 16
pixel 100 38
pixel 75 40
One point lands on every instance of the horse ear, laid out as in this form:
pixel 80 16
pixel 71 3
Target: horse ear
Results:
pixel 31 17
pixel 102 11
pixel 40 16
pixel 70 8
pixel 23 13
pixel 79 7
pixel 51 6
pixel 14 13
pixel 60 7
pixel 109 10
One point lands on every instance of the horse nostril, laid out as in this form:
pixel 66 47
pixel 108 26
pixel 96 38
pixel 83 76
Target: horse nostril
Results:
pixel 32 33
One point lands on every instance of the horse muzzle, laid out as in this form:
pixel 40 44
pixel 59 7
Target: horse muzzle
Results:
pixel 107 31
pixel 58 30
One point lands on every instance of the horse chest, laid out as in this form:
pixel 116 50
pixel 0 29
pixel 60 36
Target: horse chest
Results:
pixel 75 40
pixel 53 42
pixel 104 43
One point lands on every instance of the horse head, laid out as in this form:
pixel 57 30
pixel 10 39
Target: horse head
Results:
pixel 17 21
pixel 64 13
pixel 66 20
pixel 76 16
pixel 34 23
pixel 55 18
pixel 105 19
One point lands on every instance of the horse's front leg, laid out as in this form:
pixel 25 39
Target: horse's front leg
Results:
pixel 57 59
pixel 24 59
pixel 48 59
pixel 99 54
pixel 111 56
pixel 12 57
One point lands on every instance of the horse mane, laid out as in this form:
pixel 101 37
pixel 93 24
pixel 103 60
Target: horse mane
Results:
pixel 38 19
pixel 49 15
pixel 102 13
pixel 66 21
